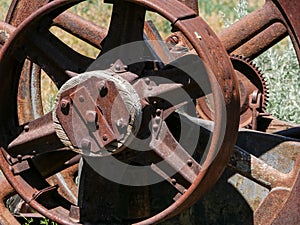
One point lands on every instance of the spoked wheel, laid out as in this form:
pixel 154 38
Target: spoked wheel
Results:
pixel 108 113
pixel 272 168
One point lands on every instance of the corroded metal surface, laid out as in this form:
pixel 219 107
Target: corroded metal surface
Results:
pixel 32 149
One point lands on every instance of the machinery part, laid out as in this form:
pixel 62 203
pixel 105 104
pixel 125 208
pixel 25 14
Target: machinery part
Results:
pixel 111 126
pixel 250 37
pixel 28 166
pixel 251 84
pixel 29 93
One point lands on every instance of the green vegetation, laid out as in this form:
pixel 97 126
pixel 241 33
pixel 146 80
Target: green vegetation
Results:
pixel 278 64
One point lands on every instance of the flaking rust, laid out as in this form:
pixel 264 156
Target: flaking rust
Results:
pixel 122 104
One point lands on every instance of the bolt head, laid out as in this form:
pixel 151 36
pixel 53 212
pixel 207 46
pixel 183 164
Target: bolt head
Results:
pixel 175 39
pixel 147 80
pixel 105 138
pixel 26 128
pixel 102 88
pixel 85 144
pixel 64 103
pixel 81 98
pixel 91 116
pixel 65 106
pixel 117 67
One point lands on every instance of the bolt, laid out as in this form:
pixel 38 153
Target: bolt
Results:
pixel 19 157
pixel 85 144
pixel 117 67
pixel 26 128
pixel 100 85
pixel 150 88
pixel 105 138
pixel 174 39
pixel 91 116
pixel 64 103
pixel 102 88
pixel 81 98
pixel 173 181
pixel 158 112
pixel 189 162
pixel 65 106
pixel 147 80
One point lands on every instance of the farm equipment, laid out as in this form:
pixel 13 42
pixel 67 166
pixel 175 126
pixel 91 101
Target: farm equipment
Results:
pixel 154 130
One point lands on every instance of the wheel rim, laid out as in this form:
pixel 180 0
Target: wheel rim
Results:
pixel 230 100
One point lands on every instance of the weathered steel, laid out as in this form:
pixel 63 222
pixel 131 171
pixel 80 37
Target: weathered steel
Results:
pixel 32 149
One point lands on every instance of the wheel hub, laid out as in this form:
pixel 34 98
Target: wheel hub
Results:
pixel 97 113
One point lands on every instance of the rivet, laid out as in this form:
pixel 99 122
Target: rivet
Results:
pixel 158 112
pixel 150 88
pixel 8 158
pixel 81 98
pixel 105 138
pixel 101 85
pixel 189 162
pixel 64 104
pixel 19 157
pixel 26 128
pixel 147 81
pixel 102 88
pixel 175 39
pixel 117 67
pixel 173 181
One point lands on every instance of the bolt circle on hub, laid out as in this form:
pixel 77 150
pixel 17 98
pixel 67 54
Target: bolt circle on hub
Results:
pixel 92 125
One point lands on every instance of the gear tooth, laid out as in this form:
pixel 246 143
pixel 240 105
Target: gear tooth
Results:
pixel 255 75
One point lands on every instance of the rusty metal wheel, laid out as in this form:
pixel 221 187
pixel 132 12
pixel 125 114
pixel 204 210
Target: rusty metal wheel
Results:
pixel 267 165
pixel 33 151
pixel 29 99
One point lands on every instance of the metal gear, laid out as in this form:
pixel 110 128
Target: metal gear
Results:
pixel 251 80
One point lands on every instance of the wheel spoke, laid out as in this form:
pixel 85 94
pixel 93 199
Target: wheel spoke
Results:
pixel 256 32
pixel 33 137
pixel 81 28
pixel 184 78
pixel 255 169
pixel 38 145
pixel 165 145
pixel 55 58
